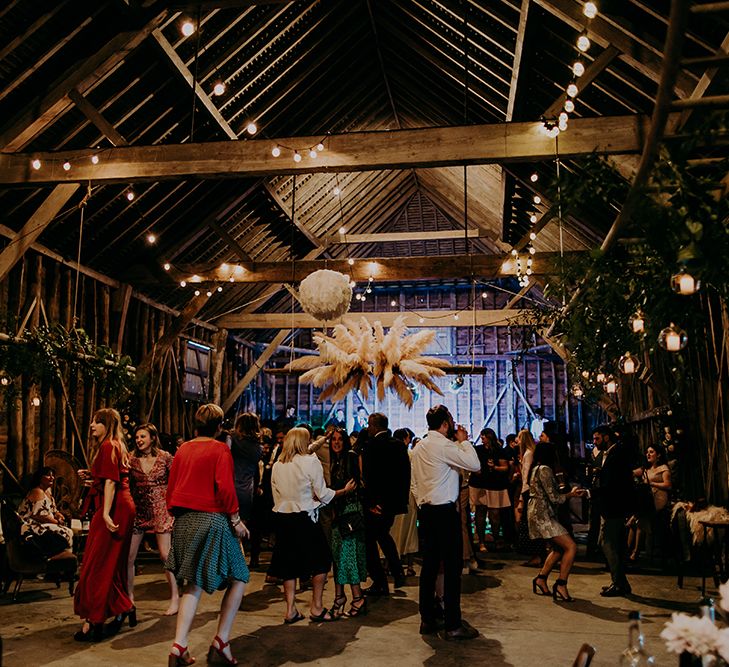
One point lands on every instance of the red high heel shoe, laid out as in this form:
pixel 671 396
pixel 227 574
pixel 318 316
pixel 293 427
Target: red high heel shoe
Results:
pixel 216 655
pixel 182 660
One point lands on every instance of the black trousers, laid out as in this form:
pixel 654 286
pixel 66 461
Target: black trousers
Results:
pixel 442 543
pixel 377 532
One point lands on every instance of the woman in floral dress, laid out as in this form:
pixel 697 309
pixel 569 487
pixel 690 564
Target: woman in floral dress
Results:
pixel 150 470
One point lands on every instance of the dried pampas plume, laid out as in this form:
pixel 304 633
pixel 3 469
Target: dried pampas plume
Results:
pixel 356 352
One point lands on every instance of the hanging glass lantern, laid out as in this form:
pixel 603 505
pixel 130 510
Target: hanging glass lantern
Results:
pixel 600 378
pixel 684 283
pixel 577 391
pixel 672 338
pixel 637 322
pixel 611 386
pixel 628 364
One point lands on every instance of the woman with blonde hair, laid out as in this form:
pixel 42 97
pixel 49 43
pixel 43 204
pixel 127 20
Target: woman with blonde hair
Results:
pixel 301 551
pixel 102 587
pixel 150 470
pixel 206 553
pixel 534 548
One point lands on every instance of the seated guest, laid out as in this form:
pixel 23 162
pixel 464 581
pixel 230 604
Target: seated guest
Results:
pixel 301 551
pixel 42 522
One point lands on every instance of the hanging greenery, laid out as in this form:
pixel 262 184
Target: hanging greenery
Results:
pixel 681 222
pixel 40 353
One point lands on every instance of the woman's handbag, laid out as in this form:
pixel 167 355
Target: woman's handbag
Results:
pixel 350 523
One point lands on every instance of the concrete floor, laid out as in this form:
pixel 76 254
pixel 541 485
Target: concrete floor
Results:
pixel 517 628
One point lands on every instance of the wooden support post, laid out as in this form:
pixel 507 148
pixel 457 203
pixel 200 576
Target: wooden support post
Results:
pixel 256 368
pixel 118 319
pixel 221 338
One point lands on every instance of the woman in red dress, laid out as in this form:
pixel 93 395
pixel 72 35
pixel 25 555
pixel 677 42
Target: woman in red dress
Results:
pixel 102 587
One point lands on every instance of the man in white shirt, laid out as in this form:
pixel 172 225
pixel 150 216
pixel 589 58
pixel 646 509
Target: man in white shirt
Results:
pixel 435 466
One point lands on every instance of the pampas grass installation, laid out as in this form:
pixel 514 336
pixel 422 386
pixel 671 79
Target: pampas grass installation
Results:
pixel 359 352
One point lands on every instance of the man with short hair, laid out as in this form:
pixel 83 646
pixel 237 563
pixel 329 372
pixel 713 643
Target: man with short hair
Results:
pixel 386 477
pixel 436 462
pixel 614 495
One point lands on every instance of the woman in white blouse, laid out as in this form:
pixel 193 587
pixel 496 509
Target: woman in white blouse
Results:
pixel 301 551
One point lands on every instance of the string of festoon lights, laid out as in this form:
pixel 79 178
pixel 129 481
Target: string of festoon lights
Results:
pixel 553 126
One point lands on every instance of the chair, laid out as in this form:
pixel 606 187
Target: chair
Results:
pixel 25 559
pixel 584 656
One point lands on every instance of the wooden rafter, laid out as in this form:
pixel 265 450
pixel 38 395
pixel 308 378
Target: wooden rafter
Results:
pixel 355 151
pixel 518 48
pixel 399 237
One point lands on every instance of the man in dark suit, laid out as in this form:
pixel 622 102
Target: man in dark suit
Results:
pixel 614 497
pixel 386 478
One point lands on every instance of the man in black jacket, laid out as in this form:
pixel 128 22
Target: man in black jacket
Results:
pixel 614 497
pixel 386 478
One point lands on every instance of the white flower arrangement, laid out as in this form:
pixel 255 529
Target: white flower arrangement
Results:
pixel 356 352
pixel 325 295
pixel 699 636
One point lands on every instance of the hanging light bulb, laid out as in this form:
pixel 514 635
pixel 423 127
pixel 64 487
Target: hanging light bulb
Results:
pixel 583 43
pixel 130 194
pixel 537 199
pixel 313 154
pixel 197 292
pixel 514 252
pixel 628 364
pixel 231 279
pixel 183 283
pixel 336 192
pixel 151 239
pixel 342 231
pixel 251 128
pixel 188 28
pixel 672 338
pixel 528 272
pixel 421 320
pixel 166 266
pixel 531 248
pixel 455 317
pixel 220 289
pixel 320 147
pixel 534 177
pixel 352 284
pixel 350 261
pixel 554 132
pixel 578 69
pixel 66 166
pixel 637 322
pixel 532 236
pixel 600 377
pixel 209 293
pixel 611 386
pixel 564 116
pixel 532 218
pixel 219 88
pixel 35 401
pixel 297 157
pixel 369 290
pixel 562 126
pixel 569 106
pixel 483 295
pixel 572 90
pixel 393 303
pixel 36 164
pixel 94 159
pixel 684 283
pixel 4 380
pixel 590 10
pixel 275 151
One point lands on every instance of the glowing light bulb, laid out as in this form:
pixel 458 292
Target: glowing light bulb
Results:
pixel 455 317
pixel 336 192
pixel 572 90
pixel 313 154
pixel 393 303
pixel 421 320
pixel 590 10
pixel 276 151
pixel 166 266
pixel 514 252
pixel 297 157
pixel 352 284
pixel 219 88
pixel 231 279
pixel 537 199
pixel 188 28
pixel 563 116
pixel 562 126
pixel 578 69
pixel 35 401
pixel 532 218
pixel 531 248
pixel 534 177
pixel 209 293
pixel 583 43
pixel 320 147
pixel 36 164
pixel 350 261
pixel 673 342
pixel 151 239
pixel 528 271
pixel 554 132
pixel 183 283
pixel 94 159
pixel 569 106
pixel 686 284
pixel 251 128
pixel 4 381
pixel 130 195
pixel 611 387
pixel 66 166
pixel 197 292
pixel 532 236
pixel 342 231
pixel 483 295
pixel 220 289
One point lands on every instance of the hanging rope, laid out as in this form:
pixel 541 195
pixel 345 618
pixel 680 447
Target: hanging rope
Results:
pixel 559 217
pixel 293 264
pixel 82 207
pixel 194 77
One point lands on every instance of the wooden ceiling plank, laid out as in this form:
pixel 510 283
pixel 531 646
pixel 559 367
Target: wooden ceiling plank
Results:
pixel 355 151
pixel 36 25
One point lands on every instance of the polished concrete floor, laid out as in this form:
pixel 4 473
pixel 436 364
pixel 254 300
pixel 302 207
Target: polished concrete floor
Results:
pixel 517 628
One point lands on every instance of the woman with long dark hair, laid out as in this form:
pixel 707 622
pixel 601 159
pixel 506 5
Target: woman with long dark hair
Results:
pixel 102 587
pixel 206 553
pixel 246 450
pixel 544 497
pixel 150 470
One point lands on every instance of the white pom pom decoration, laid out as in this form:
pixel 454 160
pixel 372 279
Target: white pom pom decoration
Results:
pixel 325 295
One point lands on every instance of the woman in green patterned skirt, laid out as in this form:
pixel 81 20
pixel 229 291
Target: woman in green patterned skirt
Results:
pixel 348 538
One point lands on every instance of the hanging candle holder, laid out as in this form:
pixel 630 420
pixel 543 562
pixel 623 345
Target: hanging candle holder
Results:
pixel 628 364
pixel 637 322
pixel 611 385
pixel 672 338
pixel 684 283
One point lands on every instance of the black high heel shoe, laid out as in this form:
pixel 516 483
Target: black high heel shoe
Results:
pixel 536 588
pixel 559 596
pixel 358 609
pixel 113 626
pixel 95 633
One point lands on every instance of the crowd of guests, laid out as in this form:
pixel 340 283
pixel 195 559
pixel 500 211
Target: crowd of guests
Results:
pixel 359 505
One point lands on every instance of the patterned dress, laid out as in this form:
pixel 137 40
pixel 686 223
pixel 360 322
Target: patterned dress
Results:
pixel 544 496
pixel 149 491
pixel 46 506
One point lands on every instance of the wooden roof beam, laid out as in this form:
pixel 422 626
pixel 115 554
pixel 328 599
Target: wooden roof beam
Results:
pixel 398 237
pixel 355 151
pixel 518 48
pixel 382 269
pixel 430 318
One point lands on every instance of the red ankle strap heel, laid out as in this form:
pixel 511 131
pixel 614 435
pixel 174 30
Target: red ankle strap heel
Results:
pixel 216 655
pixel 180 659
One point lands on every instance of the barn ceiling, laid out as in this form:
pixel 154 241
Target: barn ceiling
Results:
pixel 122 72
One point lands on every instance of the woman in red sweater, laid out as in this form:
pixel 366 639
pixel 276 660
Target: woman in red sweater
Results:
pixel 206 553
